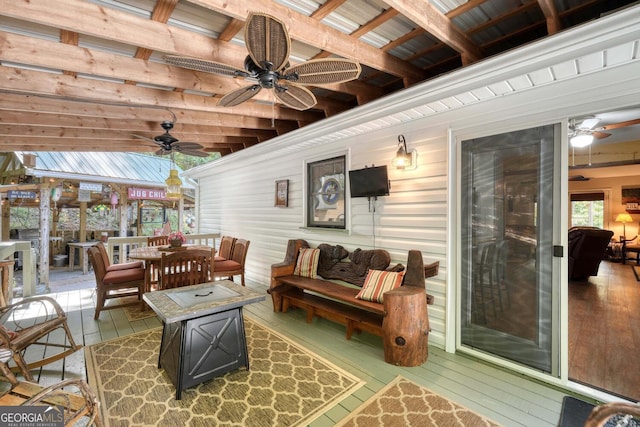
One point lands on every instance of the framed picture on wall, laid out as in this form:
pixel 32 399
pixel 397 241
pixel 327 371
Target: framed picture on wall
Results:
pixel 282 193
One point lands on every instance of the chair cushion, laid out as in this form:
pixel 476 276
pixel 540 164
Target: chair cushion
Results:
pixel 219 258
pixel 125 266
pixel 307 264
pixel 227 265
pixel 121 276
pixel 377 283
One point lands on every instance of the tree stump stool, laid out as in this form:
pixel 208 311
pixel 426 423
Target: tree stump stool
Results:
pixel 405 328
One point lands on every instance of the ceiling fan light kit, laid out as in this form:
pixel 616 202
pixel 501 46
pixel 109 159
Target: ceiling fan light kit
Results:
pixel 267 65
pixel 581 140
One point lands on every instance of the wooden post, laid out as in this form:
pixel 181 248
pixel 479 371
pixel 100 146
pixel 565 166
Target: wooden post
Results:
pixel 405 327
pixel 45 212
pixel 83 222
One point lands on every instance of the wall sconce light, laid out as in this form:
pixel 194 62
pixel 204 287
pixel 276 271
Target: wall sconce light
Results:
pixel 403 159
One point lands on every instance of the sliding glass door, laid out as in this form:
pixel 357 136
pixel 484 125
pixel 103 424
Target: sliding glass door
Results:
pixel 507 282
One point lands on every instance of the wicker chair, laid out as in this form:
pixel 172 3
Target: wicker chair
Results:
pixel 74 406
pixel 185 268
pixel 115 283
pixel 18 332
pixel 235 265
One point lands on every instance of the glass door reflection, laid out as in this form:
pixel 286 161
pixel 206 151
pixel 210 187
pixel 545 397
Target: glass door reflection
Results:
pixel 507 250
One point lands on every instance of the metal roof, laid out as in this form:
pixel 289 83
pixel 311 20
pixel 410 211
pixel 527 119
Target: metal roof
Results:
pixel 123 168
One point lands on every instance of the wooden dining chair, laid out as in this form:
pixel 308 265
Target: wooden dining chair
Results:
pixel 225 249
pixel 185 268
pixel 115 283
pixel 235 265
pixel 19 331
pixel 158 240
pixel 115 267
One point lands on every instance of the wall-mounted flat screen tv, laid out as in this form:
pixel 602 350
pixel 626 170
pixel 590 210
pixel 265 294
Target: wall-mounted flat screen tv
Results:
pixel 369 182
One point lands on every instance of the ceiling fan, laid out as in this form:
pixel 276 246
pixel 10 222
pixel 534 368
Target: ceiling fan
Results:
pixel 168 144
pixel 267 66
pixel 584 132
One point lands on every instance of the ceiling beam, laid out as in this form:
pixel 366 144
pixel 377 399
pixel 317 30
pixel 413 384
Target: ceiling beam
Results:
pixel 433 21
pixel 15 103
pixel 52 55
pixel 33 82
pixel 551 15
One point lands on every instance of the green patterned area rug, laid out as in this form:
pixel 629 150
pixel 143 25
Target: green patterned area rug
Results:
pixel 287 385
pixel 404 403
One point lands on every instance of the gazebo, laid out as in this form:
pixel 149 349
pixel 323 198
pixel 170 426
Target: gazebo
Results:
pixel 51 181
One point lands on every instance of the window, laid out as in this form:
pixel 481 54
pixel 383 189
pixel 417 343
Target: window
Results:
pixel 325 193
pixel 587 209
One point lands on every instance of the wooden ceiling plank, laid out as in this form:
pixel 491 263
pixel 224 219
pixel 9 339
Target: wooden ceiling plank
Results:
pixel 161 13
pixel 115 25
pixel 531 4
pixel 433 21
pixel 233 27
pixel 375 22
pixel 62 108
pixel 34 82
pixel 464 8
pixel 324 10
pixel 551 15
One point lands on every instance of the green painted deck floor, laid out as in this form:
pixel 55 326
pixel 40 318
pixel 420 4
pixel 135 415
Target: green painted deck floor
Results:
pixel 507 398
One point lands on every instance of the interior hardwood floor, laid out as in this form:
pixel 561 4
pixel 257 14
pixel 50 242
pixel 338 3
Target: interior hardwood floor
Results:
pixel 604 330
pixel 505 397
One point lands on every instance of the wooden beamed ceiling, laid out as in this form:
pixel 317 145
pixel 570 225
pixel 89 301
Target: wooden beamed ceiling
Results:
pixel 87 76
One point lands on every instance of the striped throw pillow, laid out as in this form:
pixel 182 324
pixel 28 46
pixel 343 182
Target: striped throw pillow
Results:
pixel 377 283
pixel 307 264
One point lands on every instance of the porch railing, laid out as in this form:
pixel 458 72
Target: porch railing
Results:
pixel 118 247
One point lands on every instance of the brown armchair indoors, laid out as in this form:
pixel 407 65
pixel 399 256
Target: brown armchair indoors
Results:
pixel 587 246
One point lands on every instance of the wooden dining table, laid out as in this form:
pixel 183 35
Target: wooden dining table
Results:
pixel 151 255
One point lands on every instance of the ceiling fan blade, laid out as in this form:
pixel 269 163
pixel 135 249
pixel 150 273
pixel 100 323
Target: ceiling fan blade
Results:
pixel 267 41
pixel 206 66
pixel 187 145
pixel 146 139
pixel 196 153
pixel 296 97
pixel 600 135
pixel 620 124
pixel 238 96
pixel 162 152
pixel 324 71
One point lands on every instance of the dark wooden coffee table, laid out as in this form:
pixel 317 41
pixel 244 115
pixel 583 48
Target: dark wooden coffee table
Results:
pixel 203 335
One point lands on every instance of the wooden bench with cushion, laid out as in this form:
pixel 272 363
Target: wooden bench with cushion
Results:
pixel 340 302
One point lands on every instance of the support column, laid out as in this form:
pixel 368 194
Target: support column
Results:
pixel 45 213
pixel 82 233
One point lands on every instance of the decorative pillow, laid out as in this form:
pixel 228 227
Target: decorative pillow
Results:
pixel 377 283
pixel 307 265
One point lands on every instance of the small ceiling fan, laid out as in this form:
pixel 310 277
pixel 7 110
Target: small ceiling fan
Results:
pixel 267 66
pixel 582 133
pixel 168 144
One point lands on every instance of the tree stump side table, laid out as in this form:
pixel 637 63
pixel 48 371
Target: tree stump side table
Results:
pixel 405 328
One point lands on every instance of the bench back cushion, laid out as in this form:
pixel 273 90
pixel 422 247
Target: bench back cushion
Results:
pixel 377 283
pixel 307 264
